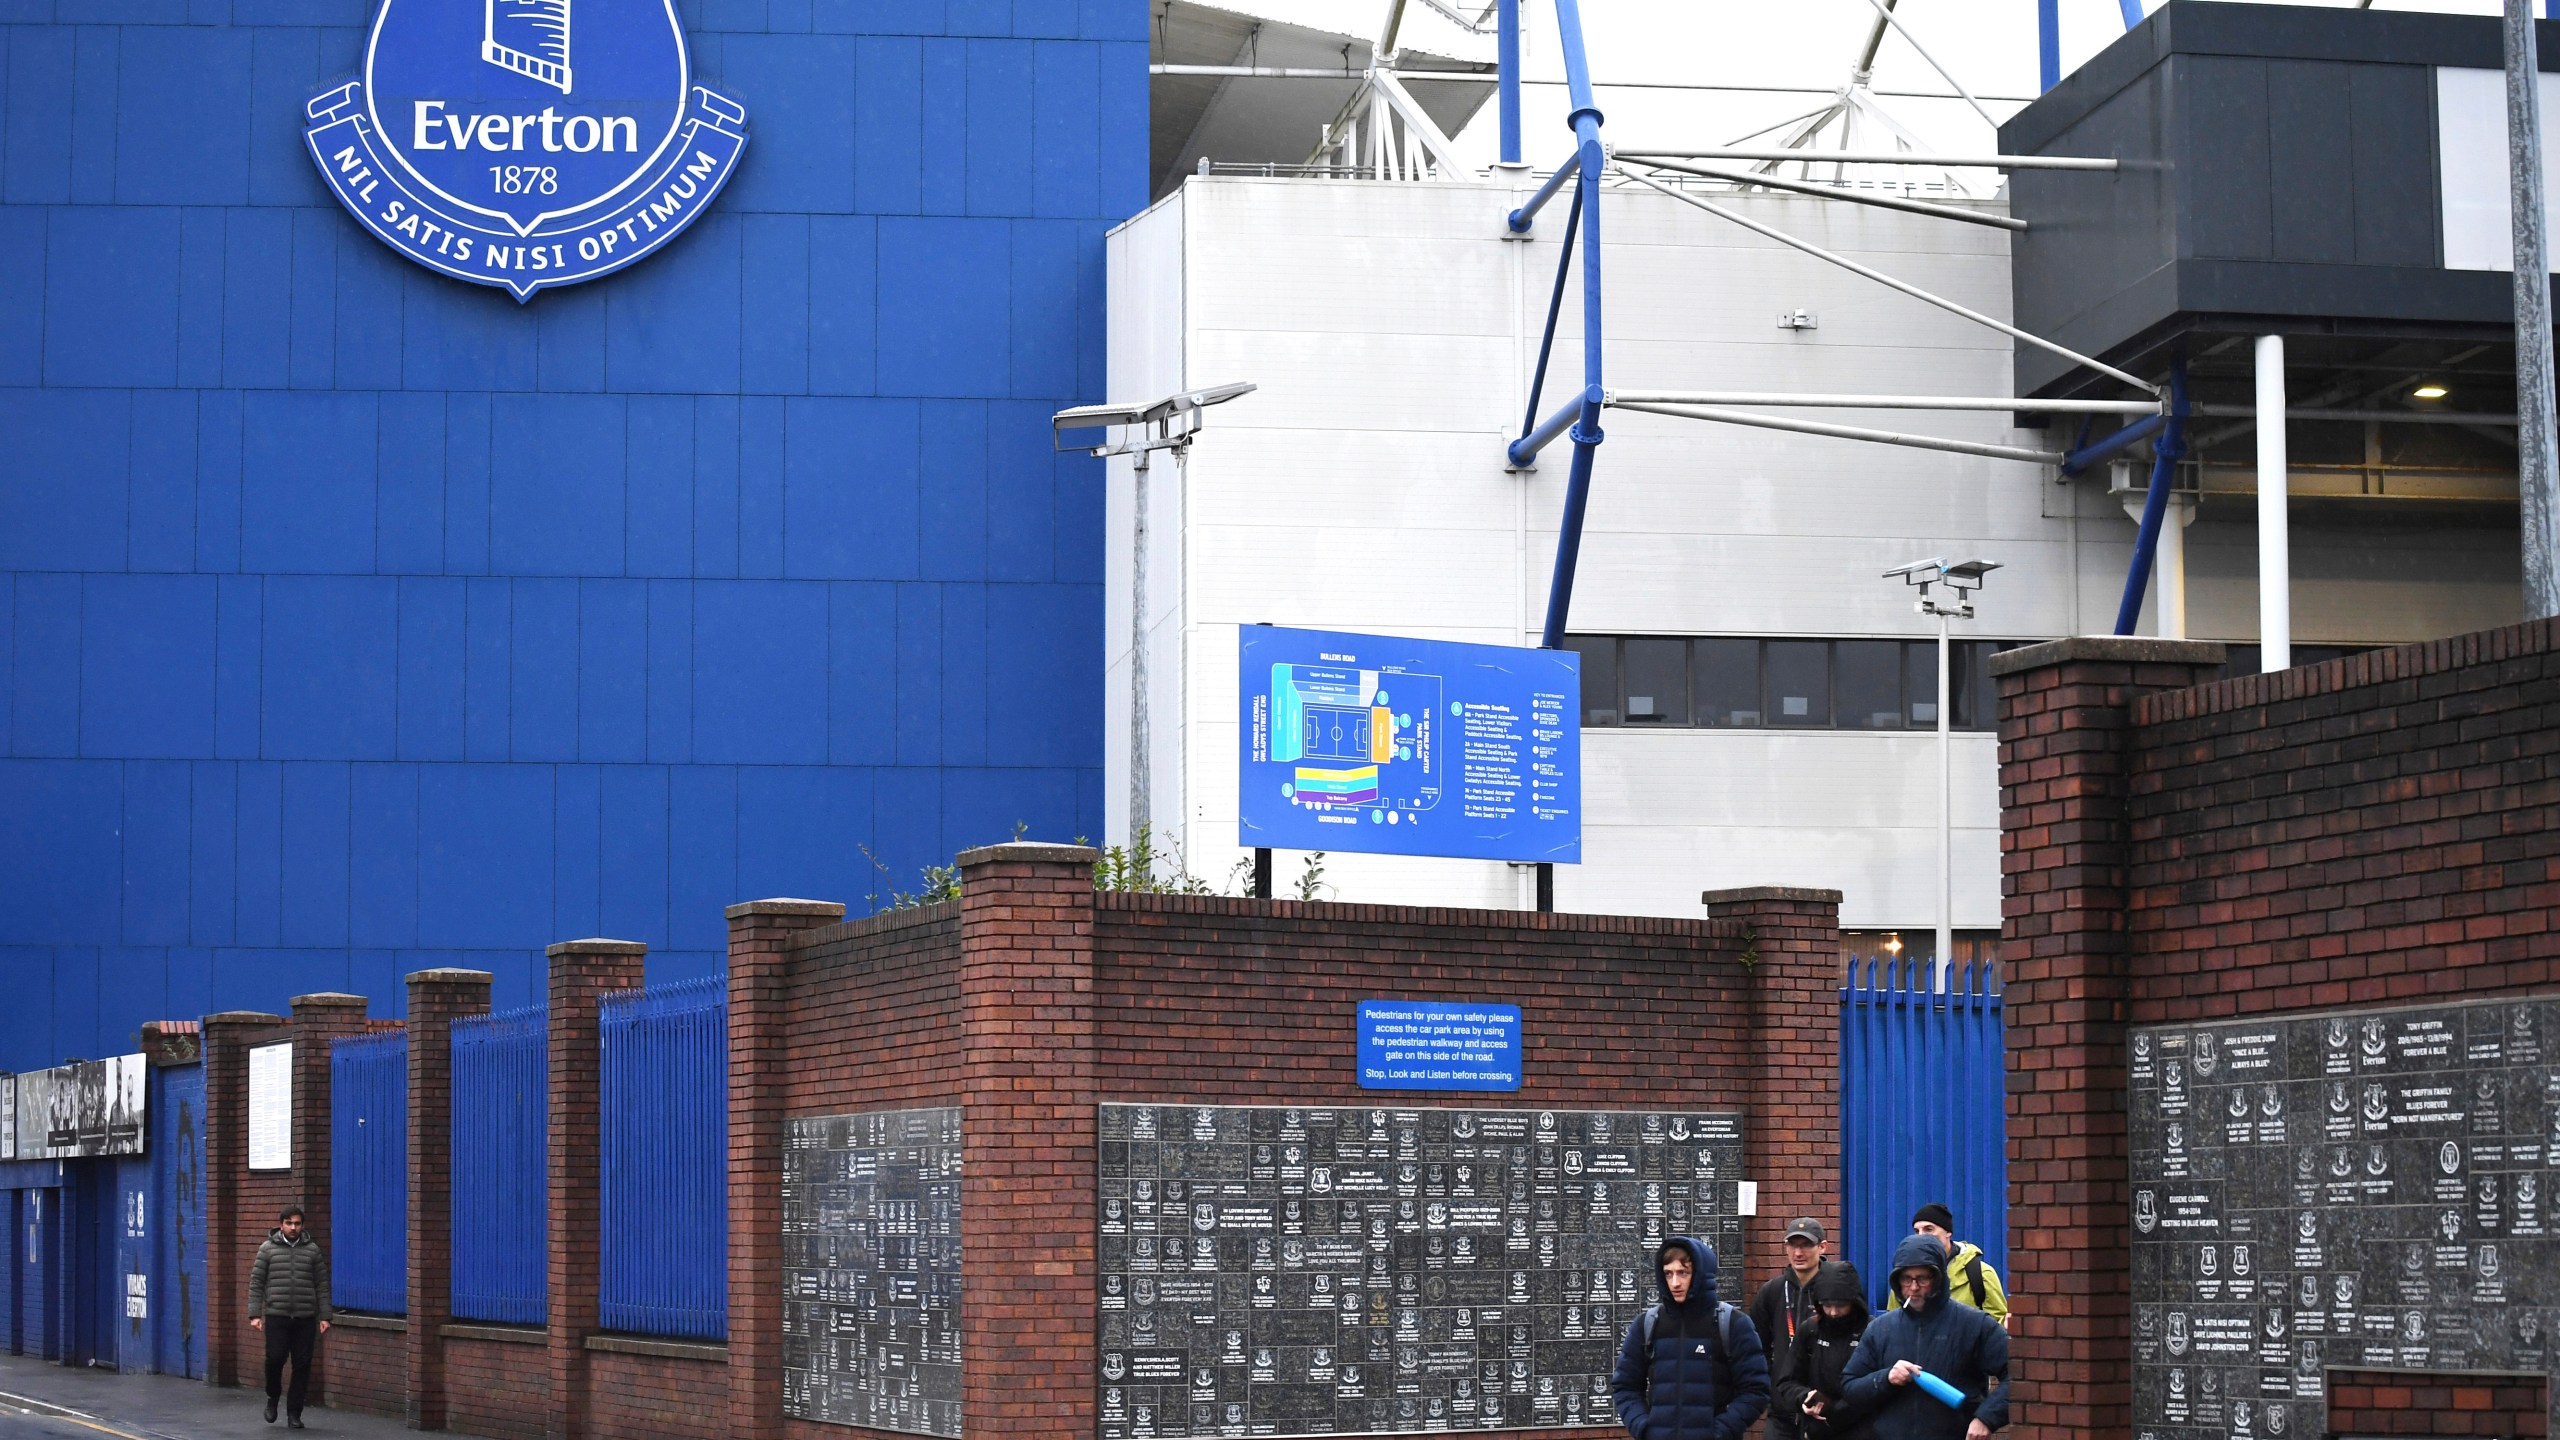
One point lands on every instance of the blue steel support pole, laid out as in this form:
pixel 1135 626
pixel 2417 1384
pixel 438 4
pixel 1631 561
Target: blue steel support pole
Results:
pixel 1521 217
pixel 1509 54
pixel 2132 12
pixel 2048 44
pixel 1555 307
pixel 2155 504
pixel 2088 455
pixel 1586 432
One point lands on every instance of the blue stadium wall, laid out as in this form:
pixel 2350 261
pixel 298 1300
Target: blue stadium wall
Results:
pixel 357 620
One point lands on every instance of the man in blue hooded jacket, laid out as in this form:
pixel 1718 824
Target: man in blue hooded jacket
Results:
pixel 1931 1332
pixel 1690 1368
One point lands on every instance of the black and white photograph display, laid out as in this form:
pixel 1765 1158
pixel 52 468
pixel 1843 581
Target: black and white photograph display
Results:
pixel 1285 1271
pixel 871 1270
pixel 86 1108
pixel 2351 1190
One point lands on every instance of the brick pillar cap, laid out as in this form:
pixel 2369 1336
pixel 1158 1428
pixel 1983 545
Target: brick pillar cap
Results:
pixel 745 909
pixel 328 1000
pixel 242 1017
pixel 1028 852
pixel 595 946
pixel 451 977
pixel 2123 649
pixel 1748 893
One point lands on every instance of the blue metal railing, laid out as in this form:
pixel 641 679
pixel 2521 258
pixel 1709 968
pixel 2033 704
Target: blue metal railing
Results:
pixel 1923 1110
pixel 369 1173
pixel 665 1103
pixel 501 1085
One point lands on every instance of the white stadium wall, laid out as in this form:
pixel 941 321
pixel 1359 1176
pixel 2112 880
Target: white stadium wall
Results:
pixel 1391 330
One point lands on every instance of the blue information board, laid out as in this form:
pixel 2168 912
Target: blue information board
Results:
pixel 1439 1045
pixel 1408 747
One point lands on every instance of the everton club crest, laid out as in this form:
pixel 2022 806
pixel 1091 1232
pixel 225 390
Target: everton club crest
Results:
pixel 526 143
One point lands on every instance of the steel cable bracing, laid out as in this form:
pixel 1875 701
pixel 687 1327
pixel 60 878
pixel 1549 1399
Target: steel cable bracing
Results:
pixel 1881 278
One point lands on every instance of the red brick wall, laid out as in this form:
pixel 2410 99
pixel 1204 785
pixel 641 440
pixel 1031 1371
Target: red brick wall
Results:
pixel 368 1369
pixel 497 1388
pixel 658 1397
pixel 240 1205
pixel 2377 829
pixel 2373 830
pixel 2387 1402
pixel 875 1014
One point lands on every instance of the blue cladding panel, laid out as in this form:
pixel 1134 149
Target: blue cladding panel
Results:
pixel 665 1104
pixel 353 620
pixel 500 1186
pixel 369 1174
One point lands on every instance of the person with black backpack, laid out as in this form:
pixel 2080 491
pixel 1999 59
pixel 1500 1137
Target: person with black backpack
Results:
pixel 1690 1368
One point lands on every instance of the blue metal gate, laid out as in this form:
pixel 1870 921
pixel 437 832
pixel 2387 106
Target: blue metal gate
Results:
pixel 500 1090
pixel 1923 1109
pixel 666 1160
pixel 369 1173
pixel 176 1299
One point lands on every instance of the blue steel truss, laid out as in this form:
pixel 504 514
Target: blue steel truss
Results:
pixel 1579 417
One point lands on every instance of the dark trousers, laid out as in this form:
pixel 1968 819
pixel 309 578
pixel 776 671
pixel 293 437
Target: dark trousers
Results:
pixel 290 1336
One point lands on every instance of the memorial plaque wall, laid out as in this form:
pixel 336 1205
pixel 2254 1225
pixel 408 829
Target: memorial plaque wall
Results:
pixel 2362 1190
pixel 871 1270
pixel 1281 1271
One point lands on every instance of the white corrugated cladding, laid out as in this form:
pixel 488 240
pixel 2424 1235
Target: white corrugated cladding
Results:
pixel 1391 330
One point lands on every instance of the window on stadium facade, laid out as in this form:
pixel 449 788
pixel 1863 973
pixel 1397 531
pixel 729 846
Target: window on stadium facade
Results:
pixel 1720 682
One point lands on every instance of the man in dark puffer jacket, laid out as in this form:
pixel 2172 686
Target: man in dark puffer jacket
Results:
pixel 289 1300
pixel 1690 1368
pixel 1931 1332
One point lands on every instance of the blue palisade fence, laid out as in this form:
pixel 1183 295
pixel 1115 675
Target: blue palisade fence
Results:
pixel 1923 1110
pixel 665 1106
pixel 500 1190
pixel 369 1173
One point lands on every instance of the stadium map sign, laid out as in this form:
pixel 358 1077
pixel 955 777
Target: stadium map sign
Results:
pixel 2364 1190
pixel 1308 1271
pixel 1396 746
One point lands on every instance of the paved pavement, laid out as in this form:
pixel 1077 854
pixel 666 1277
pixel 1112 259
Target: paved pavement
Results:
pixel 53 1402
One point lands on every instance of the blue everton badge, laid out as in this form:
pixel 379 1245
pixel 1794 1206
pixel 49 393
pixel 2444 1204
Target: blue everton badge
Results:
pixel 526 143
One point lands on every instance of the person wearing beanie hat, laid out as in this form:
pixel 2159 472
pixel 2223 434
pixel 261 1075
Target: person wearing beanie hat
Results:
pixel 1813 1388
pixel 1970 1278
pixel 1784 1311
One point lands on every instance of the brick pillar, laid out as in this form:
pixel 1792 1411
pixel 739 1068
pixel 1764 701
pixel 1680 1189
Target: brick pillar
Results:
pixel 319 1022
pixel 581 972
pixel 227 1040
pixel 1027 1139
pixel 763 934
pixel 437 998
pixel 1792 1147
pixel 2064 771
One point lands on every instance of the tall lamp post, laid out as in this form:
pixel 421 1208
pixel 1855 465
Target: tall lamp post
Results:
pixel 1144 428
pixel 1946 591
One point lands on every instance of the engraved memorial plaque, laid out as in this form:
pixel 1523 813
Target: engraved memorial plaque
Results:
pixel 871 1273
pixel 1360 1270
pixel 2362 1190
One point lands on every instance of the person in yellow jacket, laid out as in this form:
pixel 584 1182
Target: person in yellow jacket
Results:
pixel 1970 1278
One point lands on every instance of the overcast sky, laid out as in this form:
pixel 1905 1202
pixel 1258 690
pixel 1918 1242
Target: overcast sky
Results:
pixel 1990 45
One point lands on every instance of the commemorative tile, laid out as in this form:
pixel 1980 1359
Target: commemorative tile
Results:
pixel 1384 1268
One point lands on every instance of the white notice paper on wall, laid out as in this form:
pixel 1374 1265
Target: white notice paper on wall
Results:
pixel 271 1107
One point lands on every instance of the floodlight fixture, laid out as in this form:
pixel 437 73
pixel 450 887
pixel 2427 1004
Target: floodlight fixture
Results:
pixel 1959 577
pixel 1166 424
pixel 2429 392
